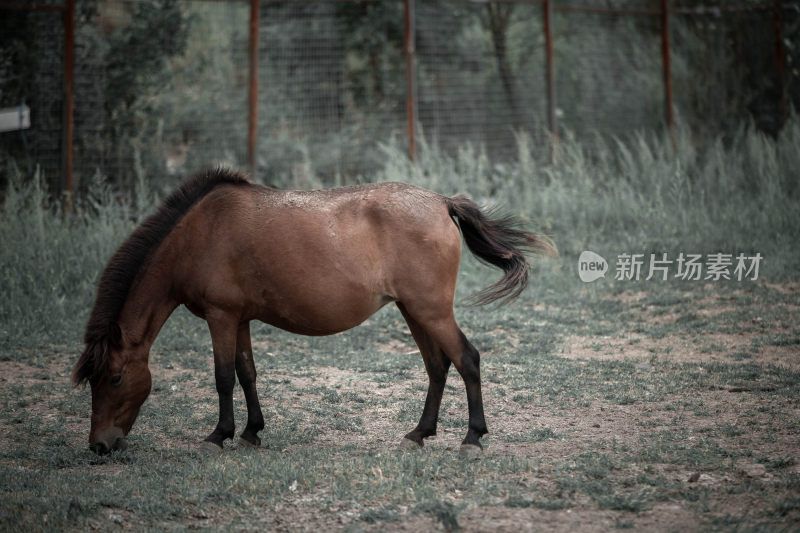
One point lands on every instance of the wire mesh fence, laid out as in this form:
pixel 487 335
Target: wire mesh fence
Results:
pixel 161 87
pixel 40 89
pixel 609 73
pixel 329 88
pixel 481 76
pixel 736 48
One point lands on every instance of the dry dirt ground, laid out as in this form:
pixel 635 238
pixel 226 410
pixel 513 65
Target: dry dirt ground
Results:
pixel 757 429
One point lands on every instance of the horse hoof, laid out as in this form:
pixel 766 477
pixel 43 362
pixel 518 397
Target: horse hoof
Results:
pixel 209 448
pixel 470 451
pixel 408 444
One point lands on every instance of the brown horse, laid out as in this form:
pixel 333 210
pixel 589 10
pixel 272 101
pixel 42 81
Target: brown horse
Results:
pixel 310 262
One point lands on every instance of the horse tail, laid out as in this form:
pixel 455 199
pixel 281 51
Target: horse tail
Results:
pixel 498 240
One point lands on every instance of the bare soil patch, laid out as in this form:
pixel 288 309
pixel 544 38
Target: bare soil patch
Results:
pixel 585 462
pixel 707 347
pixel 690 345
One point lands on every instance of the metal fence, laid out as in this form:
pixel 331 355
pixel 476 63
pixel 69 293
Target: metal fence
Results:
pixel 308 89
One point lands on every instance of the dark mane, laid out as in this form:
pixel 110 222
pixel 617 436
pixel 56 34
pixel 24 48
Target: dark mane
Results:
pixel 123 267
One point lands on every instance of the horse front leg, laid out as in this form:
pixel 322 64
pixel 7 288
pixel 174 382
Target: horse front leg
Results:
pixel 223 330
pixel 246 372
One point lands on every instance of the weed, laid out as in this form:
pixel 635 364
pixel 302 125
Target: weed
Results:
pixel 780 463
pixel 445 512
pixel 379 514
pixel 633 502
pixel 776 340
pixel 325 445
pixel 539 503
pixel 786 505
pixel 619 523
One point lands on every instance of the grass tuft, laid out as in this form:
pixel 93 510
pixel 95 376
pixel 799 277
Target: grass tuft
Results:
pixel 445 512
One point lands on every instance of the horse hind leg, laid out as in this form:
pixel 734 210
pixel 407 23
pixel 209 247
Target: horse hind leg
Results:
pixel 445 333
pixel 436 364
pixel 469 368
pixel 246 372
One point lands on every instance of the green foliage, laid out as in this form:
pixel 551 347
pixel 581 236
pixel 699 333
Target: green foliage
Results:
pixel 15 56
pixel 445 512
pixel 335 407
pixel 135 62
pixel 50 261
pixel 137 74
pixel 637 196
pixel 736 192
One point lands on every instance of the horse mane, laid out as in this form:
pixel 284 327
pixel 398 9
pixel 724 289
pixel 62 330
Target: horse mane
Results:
pixel 123 267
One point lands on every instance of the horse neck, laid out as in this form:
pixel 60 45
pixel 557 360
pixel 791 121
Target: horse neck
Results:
pixel 149 303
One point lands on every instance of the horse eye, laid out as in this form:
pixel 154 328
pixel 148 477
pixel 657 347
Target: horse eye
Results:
pixel 116 380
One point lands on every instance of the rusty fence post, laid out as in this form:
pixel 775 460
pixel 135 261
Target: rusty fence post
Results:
pixel 69 95
pixel 252 112
pixel 665 56
pixel 552 124
pixel 411 81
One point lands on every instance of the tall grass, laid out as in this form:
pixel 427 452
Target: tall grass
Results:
pixel 50 261
pixel 638 196
pixel 635 197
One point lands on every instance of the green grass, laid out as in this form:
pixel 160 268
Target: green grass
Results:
pixel 590 430
pixel 317 442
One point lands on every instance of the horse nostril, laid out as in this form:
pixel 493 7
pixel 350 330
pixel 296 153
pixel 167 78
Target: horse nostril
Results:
pixel 99 448
pixel 120 444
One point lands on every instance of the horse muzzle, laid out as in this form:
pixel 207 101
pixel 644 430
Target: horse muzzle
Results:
pixel 112 439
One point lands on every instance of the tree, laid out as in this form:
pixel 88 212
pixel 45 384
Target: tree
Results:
pixel 499 19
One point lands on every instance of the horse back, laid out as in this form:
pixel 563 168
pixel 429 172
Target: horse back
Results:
pixel 314 262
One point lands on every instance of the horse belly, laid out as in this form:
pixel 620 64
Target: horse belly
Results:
pixel 326 278
pixel 323 311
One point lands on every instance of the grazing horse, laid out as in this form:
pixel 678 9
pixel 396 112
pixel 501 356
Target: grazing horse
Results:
pixel 310 262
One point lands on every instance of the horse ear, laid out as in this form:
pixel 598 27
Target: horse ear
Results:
pixel 115 335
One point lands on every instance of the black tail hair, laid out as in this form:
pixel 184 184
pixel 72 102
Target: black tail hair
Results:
pixel 497 240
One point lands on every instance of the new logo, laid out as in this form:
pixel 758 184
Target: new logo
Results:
pixel 591 266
